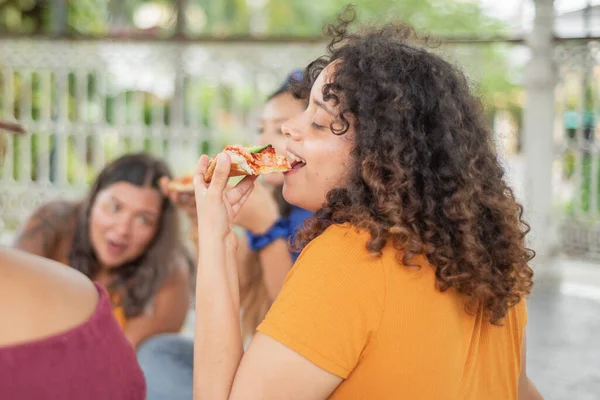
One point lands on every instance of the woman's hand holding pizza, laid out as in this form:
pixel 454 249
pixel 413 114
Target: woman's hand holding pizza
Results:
pixel 217 205
pixel 261 211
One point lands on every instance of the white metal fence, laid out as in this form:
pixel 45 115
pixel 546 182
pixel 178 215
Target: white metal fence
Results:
pixel 85 102
pixel 577 185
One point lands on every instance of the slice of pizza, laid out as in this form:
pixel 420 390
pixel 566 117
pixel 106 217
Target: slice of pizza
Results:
pixel 182 184
pixel 255 160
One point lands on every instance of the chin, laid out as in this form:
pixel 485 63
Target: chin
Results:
pixel 288 195
pixel 299 199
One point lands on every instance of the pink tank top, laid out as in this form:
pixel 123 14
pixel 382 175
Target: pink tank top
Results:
pixel 92 361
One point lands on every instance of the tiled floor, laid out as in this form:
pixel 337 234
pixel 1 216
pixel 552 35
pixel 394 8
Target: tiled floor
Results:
pixel 563 335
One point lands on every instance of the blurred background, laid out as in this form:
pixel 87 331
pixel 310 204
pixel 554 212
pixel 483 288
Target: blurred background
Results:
pixel 88 80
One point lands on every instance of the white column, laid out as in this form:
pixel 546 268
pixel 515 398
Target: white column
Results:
pixel 538 126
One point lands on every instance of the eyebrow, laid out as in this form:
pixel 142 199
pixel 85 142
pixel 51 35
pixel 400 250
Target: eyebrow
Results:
pixel 322 105
pixel 146 211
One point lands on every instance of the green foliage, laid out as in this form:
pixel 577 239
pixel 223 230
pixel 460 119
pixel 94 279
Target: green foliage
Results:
pixel 440 17
pixel 24 16
pixel 226 17
pixel 88 17
pixel 586 165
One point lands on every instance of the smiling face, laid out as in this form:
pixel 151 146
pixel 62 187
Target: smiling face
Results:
pixel 325 157
pixel 277 110
pixel 123 221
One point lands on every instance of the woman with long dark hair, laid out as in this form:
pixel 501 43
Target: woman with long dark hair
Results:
pixel 414 272
pixel 124 235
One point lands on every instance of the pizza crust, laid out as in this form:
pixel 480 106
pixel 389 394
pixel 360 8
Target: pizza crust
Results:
pixel 239 166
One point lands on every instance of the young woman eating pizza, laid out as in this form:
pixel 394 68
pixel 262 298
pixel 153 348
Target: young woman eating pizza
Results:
pixel 413 275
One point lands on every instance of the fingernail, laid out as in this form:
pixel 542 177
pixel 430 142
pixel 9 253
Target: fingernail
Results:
pixel 222 157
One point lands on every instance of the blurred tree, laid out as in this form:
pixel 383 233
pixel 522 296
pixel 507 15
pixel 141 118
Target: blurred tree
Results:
pixel 439 17
pixel 272 17
pixel 23 16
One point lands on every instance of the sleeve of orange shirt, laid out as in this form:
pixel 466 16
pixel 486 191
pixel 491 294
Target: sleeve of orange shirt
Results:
pixel 332 301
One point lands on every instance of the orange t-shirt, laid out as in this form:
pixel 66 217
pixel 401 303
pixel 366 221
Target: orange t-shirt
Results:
pixel 387 331
pixel 119 313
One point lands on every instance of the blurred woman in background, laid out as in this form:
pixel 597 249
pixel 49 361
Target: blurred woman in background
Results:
pixel 125 236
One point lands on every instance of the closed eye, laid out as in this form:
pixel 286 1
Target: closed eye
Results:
pixel 317 126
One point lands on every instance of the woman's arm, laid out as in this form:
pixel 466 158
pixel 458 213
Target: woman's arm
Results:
pixel 527 390
pixel 270 369
pixel 258 215
pixel 43 231
pixel 217 342
pixel 169 308
pixel 276 262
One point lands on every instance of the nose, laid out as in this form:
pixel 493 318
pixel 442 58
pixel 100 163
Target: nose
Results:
pixel 123 226
pixel 290 128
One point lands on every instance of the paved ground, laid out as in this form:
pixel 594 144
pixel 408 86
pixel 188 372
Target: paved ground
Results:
pixel 563 335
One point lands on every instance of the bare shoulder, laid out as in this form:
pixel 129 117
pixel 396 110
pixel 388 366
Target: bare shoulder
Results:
pixel 55 212
pixel 41 297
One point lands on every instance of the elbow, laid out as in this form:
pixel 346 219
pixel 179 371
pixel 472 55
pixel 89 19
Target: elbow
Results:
pixel 528 391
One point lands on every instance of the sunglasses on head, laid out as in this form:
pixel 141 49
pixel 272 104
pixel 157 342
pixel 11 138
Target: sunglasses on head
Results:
pixel 292 78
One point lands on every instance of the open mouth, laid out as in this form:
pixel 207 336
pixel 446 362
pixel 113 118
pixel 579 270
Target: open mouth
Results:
pixel 295 161
pixel 116 247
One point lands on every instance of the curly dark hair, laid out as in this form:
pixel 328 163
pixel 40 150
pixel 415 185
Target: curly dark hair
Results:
pixel 137 281
pixel 425 174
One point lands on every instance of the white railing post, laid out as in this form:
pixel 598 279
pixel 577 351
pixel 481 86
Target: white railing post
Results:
pixel 538 129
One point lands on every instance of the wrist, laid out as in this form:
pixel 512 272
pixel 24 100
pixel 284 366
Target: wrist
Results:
pixel 263 225
pixel 279 230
